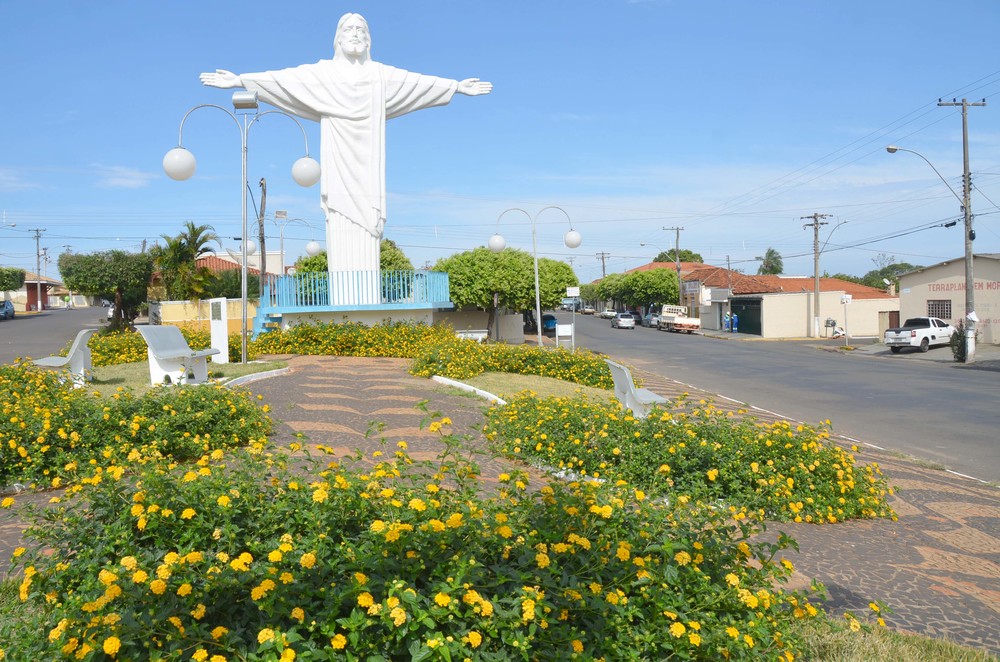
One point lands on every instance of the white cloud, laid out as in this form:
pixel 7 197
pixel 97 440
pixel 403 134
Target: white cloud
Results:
pixel 12 182
pixel 121 177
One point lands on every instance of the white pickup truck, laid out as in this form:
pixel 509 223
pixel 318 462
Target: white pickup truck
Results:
pixel 919 332
pixel 674 318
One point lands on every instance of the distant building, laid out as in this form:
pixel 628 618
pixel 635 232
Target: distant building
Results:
pixel 939 291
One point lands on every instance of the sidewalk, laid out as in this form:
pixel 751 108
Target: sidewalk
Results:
pixel 938 567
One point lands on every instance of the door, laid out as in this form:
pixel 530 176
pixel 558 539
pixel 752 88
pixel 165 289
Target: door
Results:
pixel 749 313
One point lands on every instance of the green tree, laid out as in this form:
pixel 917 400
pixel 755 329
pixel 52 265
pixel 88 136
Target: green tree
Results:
pixel 612 288
pixel 641 288
pixel 177 262
pixel 475 277
pixel 227 284
pixel 886 269
pixel 391 258
pixel 117 275
pixel 686 256
pixel 771 263
pixel 589 295
pixel 11 278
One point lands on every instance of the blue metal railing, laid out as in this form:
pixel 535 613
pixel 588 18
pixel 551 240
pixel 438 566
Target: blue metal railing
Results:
pixel 344 289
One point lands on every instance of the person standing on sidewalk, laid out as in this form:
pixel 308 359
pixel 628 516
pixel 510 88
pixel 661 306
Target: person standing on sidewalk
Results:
pixel 735 321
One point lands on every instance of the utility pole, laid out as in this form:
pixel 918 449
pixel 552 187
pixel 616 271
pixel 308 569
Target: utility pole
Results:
pixel 677 257
pixel 602 257
pixel 262 276
pixel 816 223
pixel 38 266
pixel 970 234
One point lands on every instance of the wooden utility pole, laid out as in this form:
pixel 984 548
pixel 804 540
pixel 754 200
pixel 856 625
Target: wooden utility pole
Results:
pixel 816 223
pixel 602 257
pixel 260 228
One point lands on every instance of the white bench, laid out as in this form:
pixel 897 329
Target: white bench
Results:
pixel 639 400
pixel 479 335
pixel 78 359
pixel 171 359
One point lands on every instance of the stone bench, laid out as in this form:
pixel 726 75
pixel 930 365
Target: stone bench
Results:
pixel 171 359
pixel 639 400
pixel 78 359
pixel 479 335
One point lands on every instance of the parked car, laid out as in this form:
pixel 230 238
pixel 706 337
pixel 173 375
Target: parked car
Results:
pixel 6 310
pixel 549 322
pixel 651 319
pixel 623 321
pixel 588 310
pixel 919 332
pixel 608 313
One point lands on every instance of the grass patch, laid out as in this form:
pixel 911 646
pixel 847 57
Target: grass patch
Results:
pixel 832 641
pixel 506 385
pixel 135 376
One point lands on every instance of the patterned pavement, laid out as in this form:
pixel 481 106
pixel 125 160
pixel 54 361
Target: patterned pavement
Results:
pixel 937 568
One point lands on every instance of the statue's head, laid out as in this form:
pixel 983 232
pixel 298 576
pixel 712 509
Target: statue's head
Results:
pixel 353 39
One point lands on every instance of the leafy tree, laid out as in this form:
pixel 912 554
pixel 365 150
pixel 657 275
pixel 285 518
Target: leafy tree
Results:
pixel 475 276
pixel 771 263
pixel 849 278
pixel 177 262
pixel 117 275
pixel 11 278
pixel 886 269
pixel 227 284
pixel 612 287
pixel 391 258
pixel 686 256
pixel 641 288
pixel 588 293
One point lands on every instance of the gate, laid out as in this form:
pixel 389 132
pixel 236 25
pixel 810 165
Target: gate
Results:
pixel 749 312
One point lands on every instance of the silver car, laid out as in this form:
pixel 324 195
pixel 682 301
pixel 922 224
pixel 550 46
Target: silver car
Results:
pixel 623 321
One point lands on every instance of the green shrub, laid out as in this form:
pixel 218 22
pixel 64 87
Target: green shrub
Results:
pixel 50 431
pixel 242 558
pixel 778 471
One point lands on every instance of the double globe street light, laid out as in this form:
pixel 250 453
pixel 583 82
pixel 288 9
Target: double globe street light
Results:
pixel 572 239
pixel 180 164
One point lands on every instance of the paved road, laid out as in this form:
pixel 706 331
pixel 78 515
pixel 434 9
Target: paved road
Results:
pixel 932 409
pixel 44 334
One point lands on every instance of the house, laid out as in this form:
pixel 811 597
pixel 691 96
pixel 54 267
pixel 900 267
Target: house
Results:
pixel 26 298
pixel 939 291
pixel 782 306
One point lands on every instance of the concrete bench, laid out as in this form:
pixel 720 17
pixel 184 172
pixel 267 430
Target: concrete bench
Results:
pixel 78 359
pixel 639 400
pixel 171 360
pixel 479 335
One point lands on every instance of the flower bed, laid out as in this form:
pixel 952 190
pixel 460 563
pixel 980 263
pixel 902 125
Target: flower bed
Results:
pixel 239 558
pixel 50 431
pixel 777 471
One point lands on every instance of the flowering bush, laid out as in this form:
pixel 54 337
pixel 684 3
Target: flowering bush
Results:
pixel 239 557
pixel 775 470
pixel 393 339
pixel 459 358
pixel 50 431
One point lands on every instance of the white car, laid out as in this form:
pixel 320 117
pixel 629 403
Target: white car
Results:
pixel 651 320
pixel 608 313
pixel 623 321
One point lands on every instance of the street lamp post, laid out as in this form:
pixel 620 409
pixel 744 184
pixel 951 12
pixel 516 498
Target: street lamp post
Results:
pixel 572 239
pixel 180 164
pixel 970 235
pixel 281 220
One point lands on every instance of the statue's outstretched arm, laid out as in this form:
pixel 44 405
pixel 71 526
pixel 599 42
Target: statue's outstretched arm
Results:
pixel 221 78
pixel 472 87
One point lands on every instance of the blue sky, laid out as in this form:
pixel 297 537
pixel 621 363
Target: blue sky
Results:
pixel 731 119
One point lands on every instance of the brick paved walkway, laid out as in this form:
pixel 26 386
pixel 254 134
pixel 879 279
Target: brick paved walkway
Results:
pixel 938 567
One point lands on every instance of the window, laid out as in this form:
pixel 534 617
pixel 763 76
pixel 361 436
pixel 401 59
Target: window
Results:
pixel 939 308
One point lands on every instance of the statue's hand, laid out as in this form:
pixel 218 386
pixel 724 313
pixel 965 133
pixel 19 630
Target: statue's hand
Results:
pixel 474 87
pixel 221 78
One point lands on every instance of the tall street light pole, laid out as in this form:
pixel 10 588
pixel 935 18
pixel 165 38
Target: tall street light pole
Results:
pixel 970 235
pixel 572 239
pixel 180 164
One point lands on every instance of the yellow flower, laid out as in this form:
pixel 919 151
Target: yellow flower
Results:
pixel 158 586
pixel 265 635
pixel 112 645
pixel 442 599
pixel 542 560
pixel 732 580
pixel 694 638
pixel 219 632
pixel 682 558
pixel 577 646
pixel 398 616
pixel 308 560
pixel 677 629
pixel 338 642
pixel 475 639
pixel 223 501
pixel 200 655
pixel 298 614
pixel 366 599
pixel 712 474
pixel 733 632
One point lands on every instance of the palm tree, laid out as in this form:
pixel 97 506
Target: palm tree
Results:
pixel 177 261
pixel 771 263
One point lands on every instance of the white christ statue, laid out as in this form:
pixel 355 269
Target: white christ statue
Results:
pixel 351 96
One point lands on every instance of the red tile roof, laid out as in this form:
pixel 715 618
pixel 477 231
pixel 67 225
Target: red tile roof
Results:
pixel 807 284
